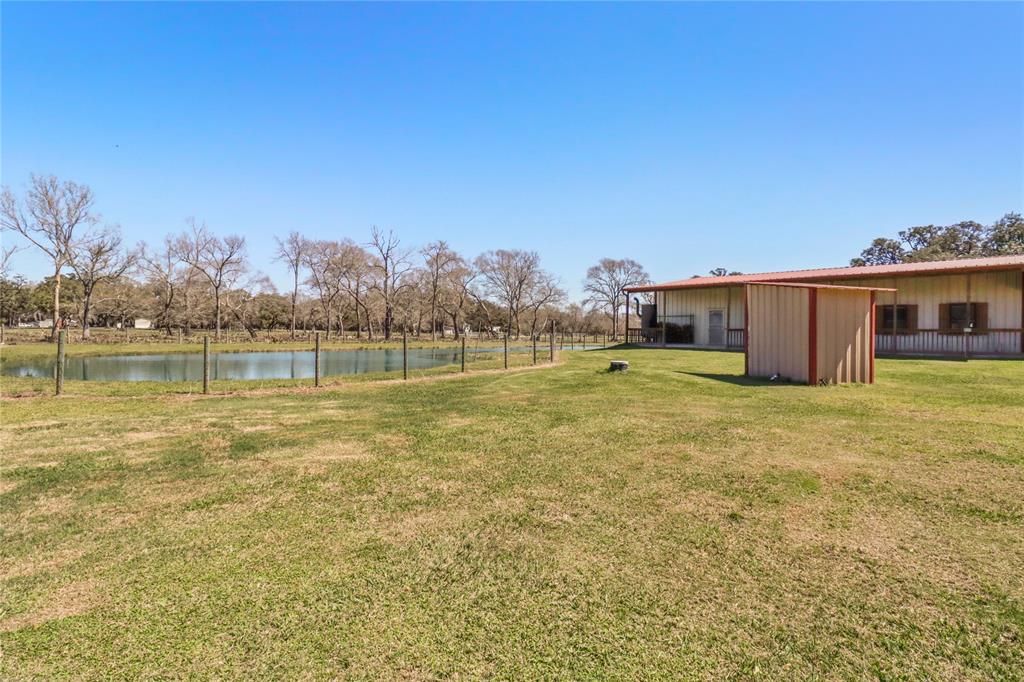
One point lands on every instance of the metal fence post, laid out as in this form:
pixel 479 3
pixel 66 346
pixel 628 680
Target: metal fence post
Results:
pixel 206 364
pixel 405 354
pixel 505 353
pixel 316 362
pixel 551 358
pixel 534 349
pixel 664 336
pixel 463 352
pixel 61 341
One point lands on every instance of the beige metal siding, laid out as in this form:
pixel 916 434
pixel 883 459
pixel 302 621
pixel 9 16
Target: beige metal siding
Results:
pixel 778 332
pixel 844 336
pixel 698 302
pixel 1000 290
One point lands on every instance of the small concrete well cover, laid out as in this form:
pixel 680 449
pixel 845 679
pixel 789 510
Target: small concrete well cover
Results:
pixel 619 366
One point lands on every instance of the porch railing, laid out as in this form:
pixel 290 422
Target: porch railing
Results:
pixel 652 336
pixel 950 342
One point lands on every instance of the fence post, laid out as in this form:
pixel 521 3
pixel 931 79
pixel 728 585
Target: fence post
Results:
pixel 405 354
pixel 664 337
pixel 551 358
pixel 206 364
pixel 505 352
pixel 61 341
pixel 534 349
pixel 463 351
pixel 584 340
pixel 316 362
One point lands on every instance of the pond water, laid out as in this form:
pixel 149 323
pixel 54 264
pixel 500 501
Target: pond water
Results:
pixel 256 365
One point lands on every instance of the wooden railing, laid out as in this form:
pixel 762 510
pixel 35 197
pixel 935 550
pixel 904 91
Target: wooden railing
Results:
pixel 955 342
pixel 644 335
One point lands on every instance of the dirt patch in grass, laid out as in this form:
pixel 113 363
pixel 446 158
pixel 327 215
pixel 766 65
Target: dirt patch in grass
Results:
pixel 67 600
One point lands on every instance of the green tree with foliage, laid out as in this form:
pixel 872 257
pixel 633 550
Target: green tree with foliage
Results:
pixel 965 239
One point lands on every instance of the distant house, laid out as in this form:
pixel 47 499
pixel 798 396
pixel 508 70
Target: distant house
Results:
pixel 970 307
pixel 143 323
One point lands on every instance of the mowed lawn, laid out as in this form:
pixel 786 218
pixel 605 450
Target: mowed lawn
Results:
pixel 562 522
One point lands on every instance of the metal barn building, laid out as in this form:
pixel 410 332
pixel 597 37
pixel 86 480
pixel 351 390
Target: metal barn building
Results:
pixel 966 308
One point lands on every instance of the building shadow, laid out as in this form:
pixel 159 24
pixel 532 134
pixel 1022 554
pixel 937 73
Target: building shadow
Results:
pixel 739 379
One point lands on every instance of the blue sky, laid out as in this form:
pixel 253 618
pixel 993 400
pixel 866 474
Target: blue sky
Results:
pixel 686 136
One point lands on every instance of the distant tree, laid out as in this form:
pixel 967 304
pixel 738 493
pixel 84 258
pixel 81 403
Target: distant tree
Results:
pixel 1006 236
pixel 393 267
pixel 221 261
pixel 96 259
pixel 722 272
pixel 543 293
pixel 326 266
pixel 162 269
pixel 290 252
pixel 439 262
pixel 881 252
pixel 457 294
pixel 606 281
pixel 49 217
pixel 965 239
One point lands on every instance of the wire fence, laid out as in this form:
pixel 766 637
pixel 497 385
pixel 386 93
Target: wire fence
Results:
pixel 316 364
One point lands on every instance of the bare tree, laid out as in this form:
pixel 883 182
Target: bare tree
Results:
pixel 290 251
pixel 323 259
pixel 220 261
pixel 508 277
pixel 457 292
pixel 357 281
pixel 392 266
pixel 98 258
pixel 52 212
pixel 6 253
pixel 162 270
pixel 605 282
pixel 439 260
pixel 543 292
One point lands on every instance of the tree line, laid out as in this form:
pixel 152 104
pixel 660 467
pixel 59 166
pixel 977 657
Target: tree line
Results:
pixel 198 279
pixel 966 239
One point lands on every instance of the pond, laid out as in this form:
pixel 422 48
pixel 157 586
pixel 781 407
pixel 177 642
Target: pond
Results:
pixel 252 365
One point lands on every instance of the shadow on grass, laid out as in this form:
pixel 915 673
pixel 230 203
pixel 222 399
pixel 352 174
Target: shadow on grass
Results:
pixel 738 379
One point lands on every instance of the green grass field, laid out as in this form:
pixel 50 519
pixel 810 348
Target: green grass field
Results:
pixel 673 522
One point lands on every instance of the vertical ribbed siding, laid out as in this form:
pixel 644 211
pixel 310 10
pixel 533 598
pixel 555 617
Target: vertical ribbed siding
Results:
pixel 698 302
pixel 844 336
pixel 1000 290
pixel 778 332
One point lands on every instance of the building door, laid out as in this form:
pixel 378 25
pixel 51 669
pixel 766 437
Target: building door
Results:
pixel 716 327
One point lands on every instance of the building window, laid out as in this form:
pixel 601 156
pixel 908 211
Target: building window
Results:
pixel 955 317
pixel 901 318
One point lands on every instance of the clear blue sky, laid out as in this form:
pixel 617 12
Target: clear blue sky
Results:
pixel 687 136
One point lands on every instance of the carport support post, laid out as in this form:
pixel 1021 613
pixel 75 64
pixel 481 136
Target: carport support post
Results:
pixel 206 364
pixel 463 352
pixel 62 336
pixel 316 361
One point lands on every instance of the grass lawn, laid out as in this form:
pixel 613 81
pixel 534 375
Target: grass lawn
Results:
pixel 562 522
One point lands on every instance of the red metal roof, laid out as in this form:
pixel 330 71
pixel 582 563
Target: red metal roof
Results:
pixel 850 272
pixel 809 285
